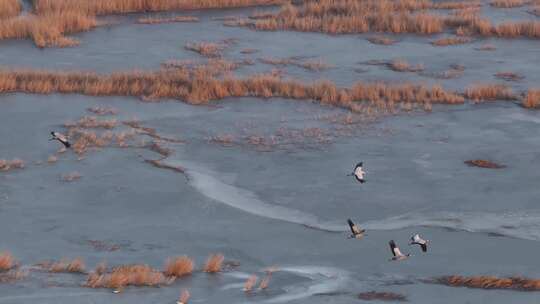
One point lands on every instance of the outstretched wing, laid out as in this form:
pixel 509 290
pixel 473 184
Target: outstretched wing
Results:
pixel 354 228
pixel 424 247
pixel 359 165
pixel 392 247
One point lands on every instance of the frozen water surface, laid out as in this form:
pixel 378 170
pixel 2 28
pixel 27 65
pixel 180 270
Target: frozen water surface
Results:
pixel 284 205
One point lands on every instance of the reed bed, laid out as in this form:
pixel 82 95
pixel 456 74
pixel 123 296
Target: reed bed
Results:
pixel 65 265
pixel 400 65
pixel 532 99
pixel 200 88
pixel 92 122
pixel 311 65
pixel 8 165
pixel 451 41
pixel 178 267
pixel 47 30
pixel 489 92
pixel 381 296
pixel 206 49
pixel 9 8
pixel 70 177
pixel 397 17
pixel 507 3
pixel 102 111
pixel 490 282
pixel 158 20
pixel 213 263
pixel 107 7
pixel 126 275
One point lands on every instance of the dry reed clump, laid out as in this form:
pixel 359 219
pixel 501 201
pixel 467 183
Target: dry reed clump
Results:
pixel 102 111
pixel 311 65
pixel 400 65
pixel 70 177
pixel 381 40
pixel 490 282
pixel 179 266
pixel 47 30
pixel 381 296
pixel 7 261
pixel 197 88
pixel 64 265
pixel 226 140
pixel 213 263
pixel 507 3
pixel 266 280
pixel 509 76
pixel 488 92
pixel 126 275
pixel 532 99
pixel 184 297
pixel 107 7
pixel 482 163
pixel 451 41
pixel 250 283
pixel 158 20
pixel 7 165
pixel 249 51
pixel 92 122
pixel 9 8
pixel 206 49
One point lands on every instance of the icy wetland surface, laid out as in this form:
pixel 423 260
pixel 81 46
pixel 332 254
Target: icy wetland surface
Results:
pixel 282 205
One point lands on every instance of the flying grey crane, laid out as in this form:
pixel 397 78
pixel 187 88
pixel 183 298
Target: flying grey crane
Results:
pixel 397 255
pixel 61 138
pixel 417 240
pixel 359 173
pixel 356 233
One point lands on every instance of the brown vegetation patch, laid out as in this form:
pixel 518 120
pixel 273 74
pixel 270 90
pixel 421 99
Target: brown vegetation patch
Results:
pixel 400 65
pixel 311 65
pixel 161 165
pixel 9 8
pixel 381 40
pixel 47 30
pixel 532 99
pixel 451 41
pixel 201 88
pixel 161 20
pixel 71 177
pixel 179 266
pixel 489 92
pixel 92 122
pixel 210 49
pixel 126 275
pixel 64 265
pixel 250 283
pixel 350 16
pixel 103 245
pixel 454 71
pixel 249 51
pixel 490 282
pixel 482 163
pixel 507 3
pixel 509 76
pixel 7 165
pixel 7 261
pixel 213 263
pixel 381 296
pixel 108 7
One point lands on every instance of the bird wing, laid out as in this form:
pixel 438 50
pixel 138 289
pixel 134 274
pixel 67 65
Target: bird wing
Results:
pixel 354 228
pixel 397 252
pixel 416 238
pixel 392 247
pixel 359 165
pixel 424 247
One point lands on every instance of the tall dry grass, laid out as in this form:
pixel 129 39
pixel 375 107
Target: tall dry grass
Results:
pixel 451 41
pixel 382 296
pixel 7 261
pixel 200 88
pixel 507 3
pixel 65 265
pixel 126 275
pixel 159 20
pixel 47 30
pixel 179 266
pixel 213 263
pixel 106 7
pixel 490 282
pixel 350 16
pixel 400 65
pixel 532 99
pixel 489 92
pixel 10 8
